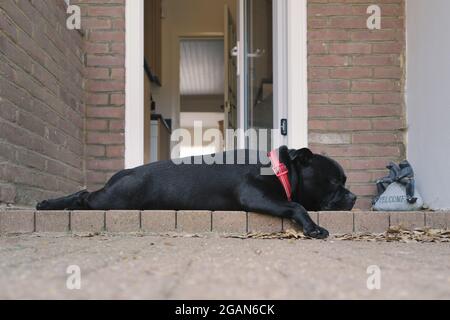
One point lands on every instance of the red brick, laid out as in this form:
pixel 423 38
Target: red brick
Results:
pixel 375 85
pixel 43 118
pixel 388 124
pixel 115 151
pixel 328 34
pixel 377 111
pixel 350 48
pixel 105 138
pixel 7 194
pixel 351 73
pixel 107 36
pixel 105 164
pixel 106 11
pixel 350 98
pixel 329 85
pixel 328 61
pixel 106 112
pixel 354 22
pixel 375 138
pixel 340 47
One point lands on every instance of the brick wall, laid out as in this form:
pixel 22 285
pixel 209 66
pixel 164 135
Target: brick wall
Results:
pixel 356 81
pixel 103 23
pixel 41 102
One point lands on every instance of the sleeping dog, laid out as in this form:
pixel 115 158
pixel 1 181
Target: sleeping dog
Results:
pixel 316 183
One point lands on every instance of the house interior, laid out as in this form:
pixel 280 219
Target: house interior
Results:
pixel 191 72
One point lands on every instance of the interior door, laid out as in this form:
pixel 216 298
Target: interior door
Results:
pixel 257 74
pixel 231 71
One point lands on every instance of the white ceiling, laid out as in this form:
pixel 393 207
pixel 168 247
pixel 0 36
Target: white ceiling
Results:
pixel 201 67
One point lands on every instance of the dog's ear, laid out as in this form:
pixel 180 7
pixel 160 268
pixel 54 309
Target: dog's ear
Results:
pixel 304 156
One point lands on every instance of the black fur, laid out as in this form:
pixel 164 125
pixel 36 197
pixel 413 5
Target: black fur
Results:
pixel 318 183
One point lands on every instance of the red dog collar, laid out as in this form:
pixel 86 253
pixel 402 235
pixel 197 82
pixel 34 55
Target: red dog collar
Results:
pixel 281 172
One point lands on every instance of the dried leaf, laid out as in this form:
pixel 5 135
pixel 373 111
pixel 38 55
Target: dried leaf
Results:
pixel 394 234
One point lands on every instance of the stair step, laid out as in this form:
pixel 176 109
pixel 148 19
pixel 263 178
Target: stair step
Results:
pixel 29 221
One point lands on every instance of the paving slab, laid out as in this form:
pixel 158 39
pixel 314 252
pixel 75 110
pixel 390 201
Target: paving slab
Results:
pixel 374 222
pixel 337 222
pixel 123 221
pixel 52 221
pixel 264 223
pixel 87 221
pixel 16 222
pixel 437 220
pixel 28 221
pixel 211 267
pixel 194 221
pixel 407 220
pixel 158 221
pixel 229 222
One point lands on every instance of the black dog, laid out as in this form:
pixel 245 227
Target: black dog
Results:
pixel 318 184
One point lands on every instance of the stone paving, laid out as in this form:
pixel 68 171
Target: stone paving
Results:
pixel 19 221
pixel 135 266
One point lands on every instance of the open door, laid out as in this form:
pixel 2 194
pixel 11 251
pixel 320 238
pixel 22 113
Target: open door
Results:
pixel 258 71
pixel 230 90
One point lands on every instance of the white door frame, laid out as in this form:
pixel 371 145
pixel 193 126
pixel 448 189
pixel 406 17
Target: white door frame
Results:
pixel 134 87
pixel 297 72
pixel 290 75
pixel 290 71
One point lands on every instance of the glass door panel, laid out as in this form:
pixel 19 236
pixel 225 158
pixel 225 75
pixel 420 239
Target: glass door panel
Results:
pixel 258 71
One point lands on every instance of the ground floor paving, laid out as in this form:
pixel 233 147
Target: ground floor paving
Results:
pixel 212 267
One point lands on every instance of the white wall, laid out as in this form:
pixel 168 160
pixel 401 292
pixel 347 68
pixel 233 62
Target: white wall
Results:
pixel 428 98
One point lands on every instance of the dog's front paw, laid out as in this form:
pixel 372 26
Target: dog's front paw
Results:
pixel 316 232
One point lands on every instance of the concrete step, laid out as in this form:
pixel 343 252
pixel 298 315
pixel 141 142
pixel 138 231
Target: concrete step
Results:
pixel 29 221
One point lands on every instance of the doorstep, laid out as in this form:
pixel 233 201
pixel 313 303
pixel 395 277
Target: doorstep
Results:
pixel 29 221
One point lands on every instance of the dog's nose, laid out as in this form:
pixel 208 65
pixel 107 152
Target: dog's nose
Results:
pixel 352 197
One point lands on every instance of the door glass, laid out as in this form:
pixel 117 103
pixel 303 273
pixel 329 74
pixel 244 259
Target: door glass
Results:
pixel 259 71
pixel 231 82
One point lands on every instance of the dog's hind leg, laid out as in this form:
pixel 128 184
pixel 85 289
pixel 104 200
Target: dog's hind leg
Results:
pixel 76 201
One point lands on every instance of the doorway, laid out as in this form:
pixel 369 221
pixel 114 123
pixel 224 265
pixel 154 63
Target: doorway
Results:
pixel 202 78
pixel 266 65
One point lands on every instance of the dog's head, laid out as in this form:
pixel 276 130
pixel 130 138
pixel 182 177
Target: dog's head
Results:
pixel 321 182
